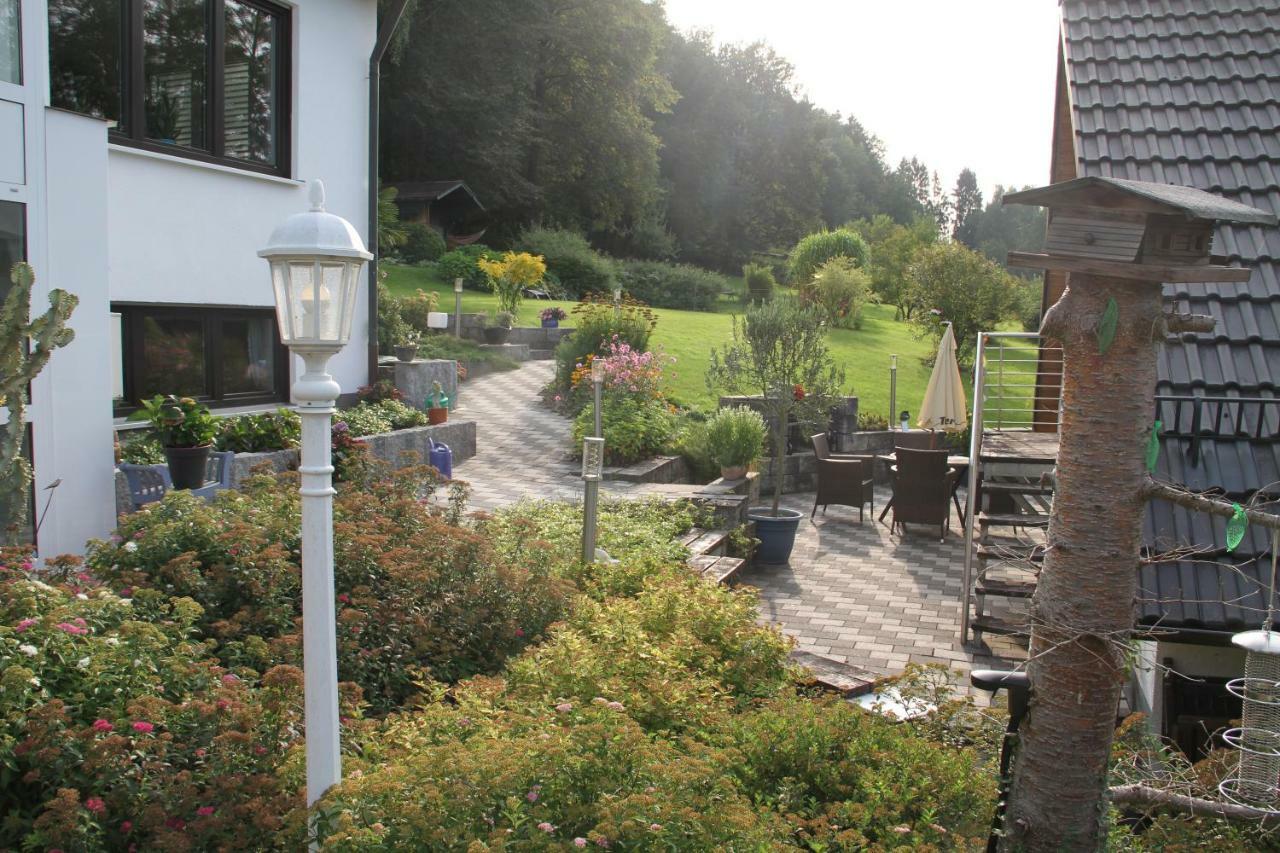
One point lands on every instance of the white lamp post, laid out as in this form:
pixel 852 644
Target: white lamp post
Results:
pixel 316 259
pixel 457 308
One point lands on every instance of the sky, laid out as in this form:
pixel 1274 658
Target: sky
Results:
pixel 957 83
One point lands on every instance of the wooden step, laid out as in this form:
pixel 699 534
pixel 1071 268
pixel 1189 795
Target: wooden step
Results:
pixel 708 542
pixel 987 624
pixel 1013 520
pixel 1016 488
pixel 1004 588
pixel 1012 553
pixel 723 569
pixel 832 675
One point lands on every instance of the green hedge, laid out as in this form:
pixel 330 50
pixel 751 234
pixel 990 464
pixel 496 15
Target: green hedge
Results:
pixel 666 285
pixel 577 267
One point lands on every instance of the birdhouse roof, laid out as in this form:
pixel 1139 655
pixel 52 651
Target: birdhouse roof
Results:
pixel 1143 196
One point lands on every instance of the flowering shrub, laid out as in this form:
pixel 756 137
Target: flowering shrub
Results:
pixel 664 721
pixel 626 371
pixel 510 276
pixel 596 325
pixel 634 428
pixel 417 596
pixel 119 732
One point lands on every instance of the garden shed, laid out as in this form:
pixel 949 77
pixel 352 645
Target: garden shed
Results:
pixel 448 206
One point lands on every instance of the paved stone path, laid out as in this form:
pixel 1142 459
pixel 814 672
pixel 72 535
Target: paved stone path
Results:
pixel 853 591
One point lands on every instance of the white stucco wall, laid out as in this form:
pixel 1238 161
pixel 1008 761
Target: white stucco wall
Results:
pixel 181 231
pixel 71 399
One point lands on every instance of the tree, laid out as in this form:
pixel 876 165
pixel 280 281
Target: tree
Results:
pixel 25 348
pixel 893 248
pixel 816 249
pixel 950 283
pixel 966 203
pixel 779 352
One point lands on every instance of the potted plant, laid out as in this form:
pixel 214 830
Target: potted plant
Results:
pixel 186 431
pixel 779 353
pixel 498 327
pixel 551 317
pixel 736 437
pixel 511 276
pixel 437 405
pixel 407 349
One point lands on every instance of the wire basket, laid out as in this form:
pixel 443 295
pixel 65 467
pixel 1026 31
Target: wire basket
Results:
pixel 1256 782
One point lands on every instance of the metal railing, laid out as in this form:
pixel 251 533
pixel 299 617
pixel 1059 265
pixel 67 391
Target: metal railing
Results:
pixel 1017 385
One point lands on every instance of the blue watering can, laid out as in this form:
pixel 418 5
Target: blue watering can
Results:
pixel 440 457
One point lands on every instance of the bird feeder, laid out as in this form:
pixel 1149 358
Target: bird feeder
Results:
pixel 1133 229
pixel 1258 736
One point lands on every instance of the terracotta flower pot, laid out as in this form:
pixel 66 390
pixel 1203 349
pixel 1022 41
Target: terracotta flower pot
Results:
pixel 437 415
pixel 733 472
pixel 187 465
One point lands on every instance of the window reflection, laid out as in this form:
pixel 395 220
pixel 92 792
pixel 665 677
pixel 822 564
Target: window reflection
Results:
pixel 10 41
pixel 172 357
pixel 175 70
pixel 249 84
pixel 248 355
pixel 84 56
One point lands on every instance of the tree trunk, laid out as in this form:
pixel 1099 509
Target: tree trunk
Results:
pixel 1082 611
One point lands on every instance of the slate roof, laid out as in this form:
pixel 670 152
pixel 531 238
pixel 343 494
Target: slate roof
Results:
pixel 1188 92
pixel 432 190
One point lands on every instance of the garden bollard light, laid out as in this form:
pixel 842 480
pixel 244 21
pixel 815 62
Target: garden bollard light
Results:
pixel 592 467
pixel 315 260
pixel 597 387
pixel 457 308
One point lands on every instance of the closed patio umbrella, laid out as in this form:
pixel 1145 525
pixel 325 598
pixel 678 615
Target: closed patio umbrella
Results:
pixel 944 404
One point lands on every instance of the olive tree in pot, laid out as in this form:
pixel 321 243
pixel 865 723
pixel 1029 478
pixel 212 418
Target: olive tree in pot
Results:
pixel 736 437
pixel 186 431
pixel 778 352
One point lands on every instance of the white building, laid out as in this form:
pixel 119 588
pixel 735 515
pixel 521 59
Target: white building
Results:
pixel 147 149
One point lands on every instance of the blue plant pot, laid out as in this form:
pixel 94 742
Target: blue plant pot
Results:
pixel 777 534
pixel 551 324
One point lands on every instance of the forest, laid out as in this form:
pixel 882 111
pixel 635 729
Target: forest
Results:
pixel 600 117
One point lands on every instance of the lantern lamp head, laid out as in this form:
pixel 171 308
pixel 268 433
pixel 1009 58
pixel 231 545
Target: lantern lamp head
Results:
pixel 597 371
pixel 315 259
pixel 592 458
pixel 457 285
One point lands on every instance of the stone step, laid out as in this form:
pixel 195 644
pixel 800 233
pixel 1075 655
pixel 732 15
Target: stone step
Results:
pixel 715 568
pixel 541 354
pixel 708 542
pixel 515 352
pixel 836 677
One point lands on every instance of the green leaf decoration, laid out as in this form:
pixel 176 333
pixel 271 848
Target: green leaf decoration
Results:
pixel 1153 446
pixel 1107 326
pixel 1236 526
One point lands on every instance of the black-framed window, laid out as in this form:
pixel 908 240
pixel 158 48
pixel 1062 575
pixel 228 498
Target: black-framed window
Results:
pixel 221 356
pixel 206 79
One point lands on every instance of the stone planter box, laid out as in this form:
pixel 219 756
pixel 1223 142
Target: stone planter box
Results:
pixel 659 469
pixel 414 379
pixel 390 447
pixel 539 340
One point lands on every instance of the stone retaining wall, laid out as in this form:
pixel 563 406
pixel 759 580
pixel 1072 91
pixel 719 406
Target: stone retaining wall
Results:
pixel 390 447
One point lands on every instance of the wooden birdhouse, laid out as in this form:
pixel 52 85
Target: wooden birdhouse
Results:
pixel 1133 229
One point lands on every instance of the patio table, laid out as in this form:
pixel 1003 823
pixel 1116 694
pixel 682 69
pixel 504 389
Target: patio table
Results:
pixel 960 463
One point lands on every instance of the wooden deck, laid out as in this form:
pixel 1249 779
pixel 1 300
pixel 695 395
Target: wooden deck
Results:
pixel 1019 446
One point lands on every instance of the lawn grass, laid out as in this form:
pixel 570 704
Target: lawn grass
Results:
pixel 690 336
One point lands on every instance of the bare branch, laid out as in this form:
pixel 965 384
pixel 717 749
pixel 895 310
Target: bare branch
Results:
pixel 1203 503
pixel 1178 322
pixel 1155 799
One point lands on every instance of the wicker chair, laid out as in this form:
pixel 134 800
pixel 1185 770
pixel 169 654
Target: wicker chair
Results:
pixel 843 478
pixel 915 441
pixel 922 483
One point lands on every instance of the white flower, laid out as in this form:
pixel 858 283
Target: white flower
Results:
pixel 128 602
pixel 83 663
pixel 35 682
pixel 131 546
pixel 82 596
pixel 113 641
pixel 28 650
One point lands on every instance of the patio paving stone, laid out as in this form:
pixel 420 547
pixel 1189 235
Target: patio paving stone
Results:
pixel 853 591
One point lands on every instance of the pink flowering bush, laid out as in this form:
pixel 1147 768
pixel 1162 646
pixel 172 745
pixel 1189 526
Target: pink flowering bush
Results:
pixel 627 371
pixel 118 731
